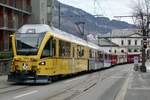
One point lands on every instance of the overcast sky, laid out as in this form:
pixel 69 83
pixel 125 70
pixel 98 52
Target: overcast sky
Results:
pixel 107 8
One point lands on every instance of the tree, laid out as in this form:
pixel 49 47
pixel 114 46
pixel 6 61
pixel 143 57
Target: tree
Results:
pixel 142 19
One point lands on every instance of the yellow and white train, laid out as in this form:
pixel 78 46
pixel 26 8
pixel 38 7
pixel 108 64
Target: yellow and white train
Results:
pixel 42 53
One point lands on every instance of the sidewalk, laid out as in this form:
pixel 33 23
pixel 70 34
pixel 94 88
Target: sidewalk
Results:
pixel 139 85
pixel 3 81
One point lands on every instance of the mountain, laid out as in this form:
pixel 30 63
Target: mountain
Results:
pixel 74 20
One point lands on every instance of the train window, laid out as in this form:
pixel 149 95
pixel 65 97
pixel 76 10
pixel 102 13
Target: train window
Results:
pixel 64 48
pixel 106 56
pixel 101 56
pixel 83 52
pixel 90 53
pixel 54 47
pixel 96 56
pixel 49 49
pixel 80 51
pixel 93 54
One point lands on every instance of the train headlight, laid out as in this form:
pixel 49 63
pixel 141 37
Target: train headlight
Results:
pixel 25 66
pixel 42 63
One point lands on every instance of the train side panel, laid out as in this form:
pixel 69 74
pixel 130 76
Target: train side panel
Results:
pixel 130 57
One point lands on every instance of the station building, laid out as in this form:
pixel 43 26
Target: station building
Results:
pixel 128 40
pixel 13 14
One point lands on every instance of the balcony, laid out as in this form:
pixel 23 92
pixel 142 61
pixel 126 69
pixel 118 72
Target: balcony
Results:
pixel 27 8
pixel 8 25
pixel 16 5
pixel 3 1
pixel 1 22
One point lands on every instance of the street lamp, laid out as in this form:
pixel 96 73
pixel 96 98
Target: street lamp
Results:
pixel 59 14
pixel 143 67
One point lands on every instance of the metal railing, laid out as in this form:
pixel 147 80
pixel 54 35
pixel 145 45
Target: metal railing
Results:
pixel 19 5
pixel 5 62
pixel 3 1
pixel 1 22
pixel 5 66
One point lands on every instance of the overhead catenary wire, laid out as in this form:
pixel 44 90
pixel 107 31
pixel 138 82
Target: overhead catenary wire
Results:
pixel 100 8
pixel 108 7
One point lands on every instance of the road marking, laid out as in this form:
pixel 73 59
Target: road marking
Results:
pixel 117 77
pixel 19 96
pixel 122 92
pixel 142 88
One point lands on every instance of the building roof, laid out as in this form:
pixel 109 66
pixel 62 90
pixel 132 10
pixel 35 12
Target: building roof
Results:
pixel 121 33
pixel 101 42
pixel 107 43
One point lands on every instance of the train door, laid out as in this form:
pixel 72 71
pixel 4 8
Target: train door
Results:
pixel 48 53
pixel 73 60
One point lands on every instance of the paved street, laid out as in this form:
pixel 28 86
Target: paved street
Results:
pixel 117 83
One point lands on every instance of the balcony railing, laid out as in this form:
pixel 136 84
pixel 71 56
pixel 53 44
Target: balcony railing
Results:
pixel 3 1
pixel 5 24
pixel 10 24
pixel 1 22
pixel 17 5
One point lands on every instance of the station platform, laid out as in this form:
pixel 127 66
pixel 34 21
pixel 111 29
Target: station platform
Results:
pixel 138 87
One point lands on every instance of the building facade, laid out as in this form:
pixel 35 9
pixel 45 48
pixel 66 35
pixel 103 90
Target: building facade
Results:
pixel 42 11
pixel 13 14
pixel 128 40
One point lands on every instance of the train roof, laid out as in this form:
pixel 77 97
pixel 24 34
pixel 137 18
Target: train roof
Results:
pixel 41 28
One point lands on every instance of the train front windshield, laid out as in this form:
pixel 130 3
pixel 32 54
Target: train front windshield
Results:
pixel 28 43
